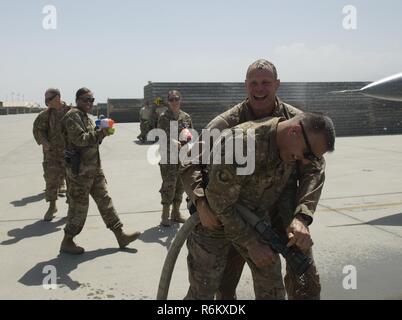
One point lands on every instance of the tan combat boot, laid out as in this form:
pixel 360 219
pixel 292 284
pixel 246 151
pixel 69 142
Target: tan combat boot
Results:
pixel 125 238
pixel 175 215
pixel 165 222
pixel 62 187
pixel 69 246
pixel 50 213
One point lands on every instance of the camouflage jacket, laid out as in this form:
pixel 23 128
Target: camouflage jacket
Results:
pixel 304 196
pixel 146 113
pixel 183 121
pixel 259 191
pixel 47 128
pixel 80 134
pixel 157 111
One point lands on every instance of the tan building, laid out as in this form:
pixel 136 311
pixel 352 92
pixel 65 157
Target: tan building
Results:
pixel 18 107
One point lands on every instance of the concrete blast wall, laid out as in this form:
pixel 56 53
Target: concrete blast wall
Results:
pixel 352 113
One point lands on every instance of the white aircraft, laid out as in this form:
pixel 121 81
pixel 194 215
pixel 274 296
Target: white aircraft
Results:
pixel 389 88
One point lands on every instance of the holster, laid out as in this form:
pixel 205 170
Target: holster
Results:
pixel 72 158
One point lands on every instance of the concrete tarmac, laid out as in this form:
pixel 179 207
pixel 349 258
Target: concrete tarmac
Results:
pixel 357 228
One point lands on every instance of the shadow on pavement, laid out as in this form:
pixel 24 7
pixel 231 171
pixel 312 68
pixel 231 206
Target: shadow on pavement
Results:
pixel 36 229
pixel 25 201
pixel 145 143
pixel 156 234
pixel 393 220
pixel 64 264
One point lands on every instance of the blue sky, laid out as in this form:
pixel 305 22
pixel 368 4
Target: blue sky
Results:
pixel 115 47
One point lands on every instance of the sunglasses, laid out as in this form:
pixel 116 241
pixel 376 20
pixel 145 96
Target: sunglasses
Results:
pixel 86 100
pixel 171 99
pixel 309 155
pixel 51 98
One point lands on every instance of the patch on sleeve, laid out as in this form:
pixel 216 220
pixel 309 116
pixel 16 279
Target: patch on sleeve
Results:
pixel 224 176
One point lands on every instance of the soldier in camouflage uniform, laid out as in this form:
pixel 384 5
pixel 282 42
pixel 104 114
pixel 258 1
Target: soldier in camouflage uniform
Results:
pixel 47 132
pixel 279 144
pixel 300 197
pixel 146 124
pixel 85 175
pixel 172 187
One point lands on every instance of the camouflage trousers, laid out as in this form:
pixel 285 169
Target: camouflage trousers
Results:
pixel 79 189
pixel 145 127
pixel 214 263
pixel 207 259
pixel 172 188
pixel 297 288
pixel 54 172
pixel 306 287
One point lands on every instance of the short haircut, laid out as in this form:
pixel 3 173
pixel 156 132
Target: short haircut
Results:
pixel 263 65
pixel 53 91
pixel 81 92
pixel 319 123
pixel 174 92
